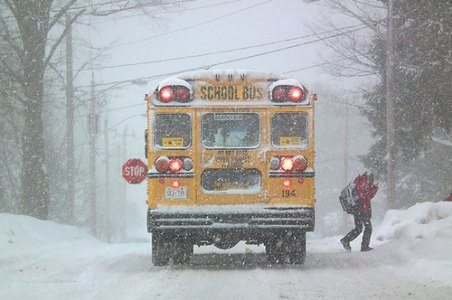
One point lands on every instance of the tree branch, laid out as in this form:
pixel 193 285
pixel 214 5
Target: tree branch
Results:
pixel 61 37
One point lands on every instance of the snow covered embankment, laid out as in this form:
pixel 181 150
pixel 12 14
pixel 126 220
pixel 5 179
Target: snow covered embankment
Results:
pixel 22 233
pixel 423 233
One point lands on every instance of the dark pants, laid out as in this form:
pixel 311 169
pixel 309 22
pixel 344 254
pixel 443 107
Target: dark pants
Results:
pixel 361 218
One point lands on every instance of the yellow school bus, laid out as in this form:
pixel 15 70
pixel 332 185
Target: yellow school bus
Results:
pixel 231 158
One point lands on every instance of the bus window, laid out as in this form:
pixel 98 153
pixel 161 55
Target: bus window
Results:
pixel 230 130
pixel 172 131
pixel 241 181
pixel 289 130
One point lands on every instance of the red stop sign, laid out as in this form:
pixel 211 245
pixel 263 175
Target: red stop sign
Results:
pixel 134 171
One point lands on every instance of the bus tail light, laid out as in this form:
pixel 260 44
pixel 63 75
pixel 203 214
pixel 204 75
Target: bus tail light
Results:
pixel 175 165
pixel 187 164
pixel 176 93
pixel 296 94
pixel 166 94
pixel 162 164
pixel 300 163
pixel 274 163
pixel 287 164
pixel 286 93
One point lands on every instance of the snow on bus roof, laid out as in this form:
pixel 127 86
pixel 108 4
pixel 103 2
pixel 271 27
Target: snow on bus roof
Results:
pixel 236 73
pixel 180 79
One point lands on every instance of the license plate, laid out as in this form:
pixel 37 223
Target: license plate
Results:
pixel 180 193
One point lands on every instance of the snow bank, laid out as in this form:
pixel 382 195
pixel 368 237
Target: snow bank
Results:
pixel 23 232
pixel 426 220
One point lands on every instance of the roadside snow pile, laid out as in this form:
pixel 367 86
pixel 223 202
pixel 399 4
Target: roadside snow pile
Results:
pixel 22 232
pixel 426 220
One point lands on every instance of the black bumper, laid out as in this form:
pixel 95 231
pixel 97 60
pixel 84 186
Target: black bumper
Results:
pixel 242 220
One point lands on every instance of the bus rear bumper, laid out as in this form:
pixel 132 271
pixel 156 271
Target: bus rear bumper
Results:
pixel 247 221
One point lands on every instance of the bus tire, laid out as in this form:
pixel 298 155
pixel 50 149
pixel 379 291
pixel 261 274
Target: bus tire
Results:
pixel 159 255
pixel 183 250
pixel 298 247
pixel 275 251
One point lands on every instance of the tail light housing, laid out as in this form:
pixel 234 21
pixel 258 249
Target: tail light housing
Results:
pixel 297 163
pixel 176 93
pixel 163 164
pixel 287 93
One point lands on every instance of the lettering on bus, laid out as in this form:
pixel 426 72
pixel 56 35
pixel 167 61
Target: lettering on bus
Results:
pixel 230 92
pixel 232 158
pixel 224 186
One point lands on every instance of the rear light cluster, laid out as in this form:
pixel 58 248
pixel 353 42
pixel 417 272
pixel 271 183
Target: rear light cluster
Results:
pixel 288 164
pixel 164 164
pixel 176 93
pixel 285 93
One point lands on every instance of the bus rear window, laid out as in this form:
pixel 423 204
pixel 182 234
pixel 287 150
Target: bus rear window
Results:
pixel 289 130
pixel 230 130
pixel 172 131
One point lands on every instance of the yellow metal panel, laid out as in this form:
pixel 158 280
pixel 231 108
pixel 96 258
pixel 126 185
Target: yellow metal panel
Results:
pixel 272 191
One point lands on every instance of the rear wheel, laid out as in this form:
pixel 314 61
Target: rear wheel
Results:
pixel 298 248
pixel 160 256
pixel 183 250
pixel 289 247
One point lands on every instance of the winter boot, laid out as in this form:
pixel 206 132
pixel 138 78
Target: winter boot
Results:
pixel 366 248
pixel 346 244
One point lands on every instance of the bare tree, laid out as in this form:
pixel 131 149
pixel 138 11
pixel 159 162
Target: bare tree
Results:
pixel 26 28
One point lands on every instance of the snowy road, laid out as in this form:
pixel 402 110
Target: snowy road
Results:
pixel 61 262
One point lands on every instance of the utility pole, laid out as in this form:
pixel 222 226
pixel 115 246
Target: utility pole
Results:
pixel 108 202
pixel 390 128
pixel 93 128
pixel 123 199
pixel 345 158
pixel 70 159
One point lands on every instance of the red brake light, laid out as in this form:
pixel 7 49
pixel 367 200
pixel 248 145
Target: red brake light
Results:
pixel 166 94
pixel 286 183
pixel 162 164
pixel 175 184
pixel 287 164
pixel 182 93
pixel 300 163
pixel 175 165
pixel 279 93
pixel 296 93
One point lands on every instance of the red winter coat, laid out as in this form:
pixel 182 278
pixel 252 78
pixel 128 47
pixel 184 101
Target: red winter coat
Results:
pixel 365 193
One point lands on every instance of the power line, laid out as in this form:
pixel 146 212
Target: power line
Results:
pixel 161 9
pixel 193 25
pixel 218 52
pixel 231 60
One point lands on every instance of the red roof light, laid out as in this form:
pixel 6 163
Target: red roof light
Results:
pixel 166 94
pixel 296 93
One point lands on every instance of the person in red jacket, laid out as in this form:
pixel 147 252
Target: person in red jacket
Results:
pixel 449 198
pixel 366 190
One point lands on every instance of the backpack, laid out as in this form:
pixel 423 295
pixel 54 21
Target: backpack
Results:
pixel 349 199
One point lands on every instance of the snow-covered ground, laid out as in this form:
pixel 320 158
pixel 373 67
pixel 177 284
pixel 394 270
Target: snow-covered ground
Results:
pixel 412 259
